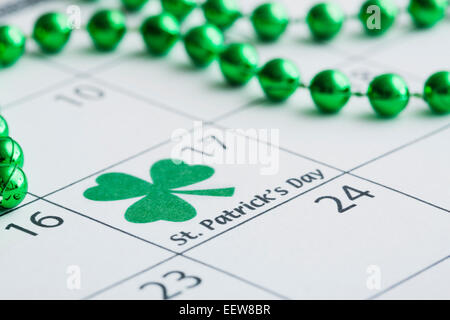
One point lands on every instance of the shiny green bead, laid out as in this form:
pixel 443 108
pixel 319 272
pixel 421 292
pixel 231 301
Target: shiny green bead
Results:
pixel 13 186
pixel 133 5
pixel 107 28
pixel 325 20
pixel 279 78
pixel 160 33
pixel 368 17
pixel 426 13
pixel 12 45
pixel 10 152
pixel 52 32
pixel 388 94
pixel 4 131
pixel 330 90
pixel 221 13
pixel 203 44
pixel 270 21
pixel 179 8
pixel 437 92
pixel 239 63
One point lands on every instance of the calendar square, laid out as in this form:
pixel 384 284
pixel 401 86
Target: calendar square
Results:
pixel 82 128
pixel 75 263
pixel 315 251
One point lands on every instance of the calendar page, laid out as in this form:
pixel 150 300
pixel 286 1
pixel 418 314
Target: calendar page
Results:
pixel 149 178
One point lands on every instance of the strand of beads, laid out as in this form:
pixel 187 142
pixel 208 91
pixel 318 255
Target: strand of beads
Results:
pixel 330 90
pixel 13 182
pixel 270 21
pixel 325 20
pixel 279 78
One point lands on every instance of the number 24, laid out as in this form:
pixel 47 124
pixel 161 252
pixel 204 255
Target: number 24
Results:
pixel 351 193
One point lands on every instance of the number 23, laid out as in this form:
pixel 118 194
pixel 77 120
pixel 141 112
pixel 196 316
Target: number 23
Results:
pixel 181 278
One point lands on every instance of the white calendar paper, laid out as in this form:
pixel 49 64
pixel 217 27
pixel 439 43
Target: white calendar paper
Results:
pixel 345 206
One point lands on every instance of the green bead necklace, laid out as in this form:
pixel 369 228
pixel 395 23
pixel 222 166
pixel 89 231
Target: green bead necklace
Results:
pixel 325 20
pixel 279 78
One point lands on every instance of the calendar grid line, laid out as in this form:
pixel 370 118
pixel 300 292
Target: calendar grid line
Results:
pixel 412 276
pixel 349 172
pixel 263 212
pixel 134 275
pixel 154 244
pixel 4 213
pixel 107 225
pixel 401 147
pixel 400 192
pixel 274 293
pixel 37 94
pixel 136 155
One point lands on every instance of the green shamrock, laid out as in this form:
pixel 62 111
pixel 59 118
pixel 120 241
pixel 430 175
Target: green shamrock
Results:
pixel 159 201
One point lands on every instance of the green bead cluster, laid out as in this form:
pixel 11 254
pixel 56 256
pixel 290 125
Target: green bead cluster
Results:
pixel 13 182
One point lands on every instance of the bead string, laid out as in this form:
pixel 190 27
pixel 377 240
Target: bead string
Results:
pixel 279 78
pixel 325 20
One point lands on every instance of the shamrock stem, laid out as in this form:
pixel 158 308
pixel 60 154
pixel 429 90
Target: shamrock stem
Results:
pixel 225 192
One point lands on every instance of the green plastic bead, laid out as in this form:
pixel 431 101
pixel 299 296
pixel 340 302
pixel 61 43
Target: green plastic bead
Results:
pixel 239 63
pixel 134 5
pixel 437 92
pixel 203 44
pixel 325 20
pixel 388 14
pixel 12 45
pixel 330 90
pixel 426 13
pixel 10 152
pixel 160 33
pixel 388 95
pixel 270 21
pixel 107 28
pixel 52 32
pixel 13 186
pixel 221 13
pixel 179 8
pixel 279 78
pixel 4 131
